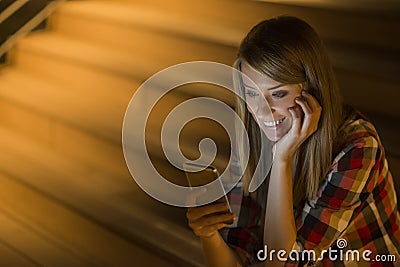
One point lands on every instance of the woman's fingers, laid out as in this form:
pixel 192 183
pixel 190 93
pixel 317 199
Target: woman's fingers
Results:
pixel 308 116
pixel 304 105
pixel 211 220
pixel 209 230
pixel 305 117
pixel 205 220
pixel 208 224
pixel 296 120
pixel 201 211
pixel 312 112
pixel 312 102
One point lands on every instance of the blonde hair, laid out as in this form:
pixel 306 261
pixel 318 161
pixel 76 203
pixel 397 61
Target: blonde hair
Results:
pixel 289 51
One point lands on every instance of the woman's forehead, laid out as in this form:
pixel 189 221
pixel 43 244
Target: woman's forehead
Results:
pixel 253 77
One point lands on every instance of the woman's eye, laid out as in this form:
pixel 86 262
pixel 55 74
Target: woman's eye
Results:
pixel 278 94
pixel 251 93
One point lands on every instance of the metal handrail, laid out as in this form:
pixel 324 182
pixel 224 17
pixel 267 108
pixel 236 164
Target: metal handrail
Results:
pixel 12 9
pixel 28 26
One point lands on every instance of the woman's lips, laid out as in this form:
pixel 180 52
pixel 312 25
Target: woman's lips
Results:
pixel 274 124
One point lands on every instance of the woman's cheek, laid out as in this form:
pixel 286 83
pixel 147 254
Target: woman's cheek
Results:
pixel 287 103
pixel 292 103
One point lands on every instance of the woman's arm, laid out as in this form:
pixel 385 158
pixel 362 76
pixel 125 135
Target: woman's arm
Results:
pixel 280 233
pixel 205 222
pixel 280 228
pixel 218 253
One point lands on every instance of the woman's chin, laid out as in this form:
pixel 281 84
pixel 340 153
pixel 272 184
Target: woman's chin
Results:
pixel 274 139
pixel 274 135
pixel 271 135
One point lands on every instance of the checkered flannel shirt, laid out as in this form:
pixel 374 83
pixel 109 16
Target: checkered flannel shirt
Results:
pixel 356 202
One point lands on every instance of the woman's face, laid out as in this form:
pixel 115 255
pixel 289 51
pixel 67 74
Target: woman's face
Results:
pixel 269 103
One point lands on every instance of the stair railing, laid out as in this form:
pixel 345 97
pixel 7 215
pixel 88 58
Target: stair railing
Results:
pixel 20 17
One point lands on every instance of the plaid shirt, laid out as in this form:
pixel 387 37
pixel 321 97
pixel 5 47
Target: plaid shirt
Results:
pixel 356 204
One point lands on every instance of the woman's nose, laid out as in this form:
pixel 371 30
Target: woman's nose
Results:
pixel 264 113
pixel 266 106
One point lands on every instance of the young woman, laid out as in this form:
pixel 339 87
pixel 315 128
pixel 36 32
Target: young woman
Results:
pixel 329 190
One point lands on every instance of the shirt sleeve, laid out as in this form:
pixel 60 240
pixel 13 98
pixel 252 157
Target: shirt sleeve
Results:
pixel 244 235
pixel 340 198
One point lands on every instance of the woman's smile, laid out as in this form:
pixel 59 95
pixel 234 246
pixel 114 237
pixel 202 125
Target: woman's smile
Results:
pixel 275 129
pixel 274 124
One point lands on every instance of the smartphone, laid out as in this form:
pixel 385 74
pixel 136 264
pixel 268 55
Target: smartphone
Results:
pixel 198 175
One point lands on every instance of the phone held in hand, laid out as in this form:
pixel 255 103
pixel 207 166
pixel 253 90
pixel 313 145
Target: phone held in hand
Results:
pixel 198 175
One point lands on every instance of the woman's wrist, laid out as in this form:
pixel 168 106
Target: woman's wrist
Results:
pixel 283 158
pixel 212 238
pixel 217 252
pixel 282 155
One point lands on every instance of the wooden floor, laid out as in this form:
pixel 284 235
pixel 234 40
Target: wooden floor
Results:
pixel 66 195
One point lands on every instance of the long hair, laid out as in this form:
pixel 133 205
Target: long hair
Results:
pixel 289 51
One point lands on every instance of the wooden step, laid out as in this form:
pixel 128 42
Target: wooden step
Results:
pixel 50 100
pixel 350 82
pixel 356 67
pixel 93 68
pixel 115 202
pixel 351 78
pixel 76 107
pixel 129 26
pixel 385 6
pixel 91 54
pixel 11 256
pixel 60 68
pixel 96 109
pixel 66 139
pixel 36 246
pixel 97 113
pixel 136 17
pixel 352 26
pixel 51 234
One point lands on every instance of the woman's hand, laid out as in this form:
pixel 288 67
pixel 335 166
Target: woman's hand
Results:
pixel 206 220
pixel 301 128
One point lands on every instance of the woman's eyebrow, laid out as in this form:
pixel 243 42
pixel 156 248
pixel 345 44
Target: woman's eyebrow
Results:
pixel 277 86
pixel 248 86
pixel 272 88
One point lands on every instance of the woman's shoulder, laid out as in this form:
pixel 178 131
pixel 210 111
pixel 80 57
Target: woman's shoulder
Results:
pixel 357 128
pixel 356 140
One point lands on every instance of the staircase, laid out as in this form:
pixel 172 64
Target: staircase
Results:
pixel 65 185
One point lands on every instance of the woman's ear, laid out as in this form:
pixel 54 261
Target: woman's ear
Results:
pixel 303 86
